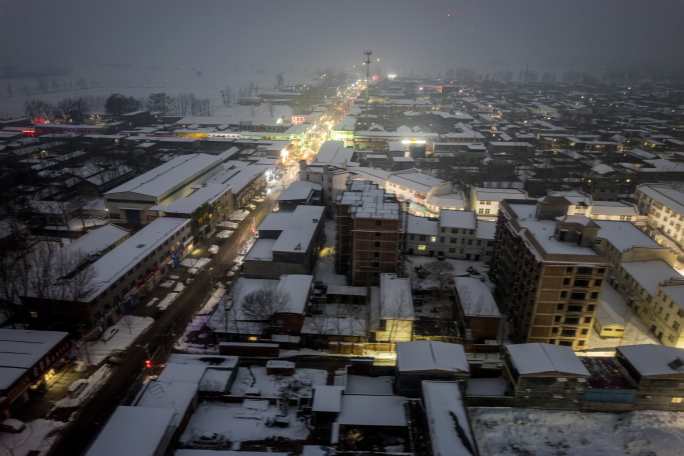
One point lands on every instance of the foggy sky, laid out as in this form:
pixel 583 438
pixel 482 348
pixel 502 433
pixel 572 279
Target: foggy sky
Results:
pixel 241 38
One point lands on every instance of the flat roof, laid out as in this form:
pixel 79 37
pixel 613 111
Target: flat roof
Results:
pixel 648 274
pixel 476 298
pixel 457 219
pixel 97 240
pixel 333 153
pixel 133 431
pixel 361 410
pixel 653 360
pixel 422 225
pixel 299 191
pixel 446 417
pixel 117 262
pixel 624 235
pixel 21 349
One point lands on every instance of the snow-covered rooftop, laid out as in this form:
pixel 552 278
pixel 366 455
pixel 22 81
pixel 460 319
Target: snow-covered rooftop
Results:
pixel 133 431
pixel 624 235
pixel 653 360
pixel 333 153
pixel 359 410
pixel 96 240
pixel 535 359
pixel 396 298
pixel 424 355
pixel 422 226
pixel 476 298
pixel 648 274
pixel 457 219
pixel 497 194
pixel 446 417
pixel 299 191
pixel 369 201
pixel 117 262
pixel 21 349
pixel 327 398
pixel 163 180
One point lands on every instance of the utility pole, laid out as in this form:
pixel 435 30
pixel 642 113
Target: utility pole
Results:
pixel 367 62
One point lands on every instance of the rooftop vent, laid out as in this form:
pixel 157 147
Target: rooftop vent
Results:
pixel 676 364
pixel 140 246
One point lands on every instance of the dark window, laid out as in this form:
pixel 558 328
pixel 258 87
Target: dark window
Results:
pixel 560 307
pixel 587 319
pixel 569 269
pixel 572 320
pixel 590 308
pixel 557 319
pixel 578 296
pixel 583 283
pixel 594 295
pixel 584 332
pixel 564 294
pixel 574 308
pixel 584 271
pixel 598 282
pixel 566 281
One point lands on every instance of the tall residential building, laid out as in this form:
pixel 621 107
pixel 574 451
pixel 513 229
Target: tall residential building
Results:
pixel 368 238
pixel 664 206
pixel 548 275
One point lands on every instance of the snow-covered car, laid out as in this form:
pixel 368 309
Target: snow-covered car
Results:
pixel 213 249
pixel 12 426
pixel 209 440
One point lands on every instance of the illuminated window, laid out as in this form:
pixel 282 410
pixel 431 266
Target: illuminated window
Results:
pixel 677 400
pixel 422 248
pixel 433 239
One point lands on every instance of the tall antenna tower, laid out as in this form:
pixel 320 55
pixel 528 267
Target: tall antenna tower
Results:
pixel 367 62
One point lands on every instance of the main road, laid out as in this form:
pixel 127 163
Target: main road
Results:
pixel 159 338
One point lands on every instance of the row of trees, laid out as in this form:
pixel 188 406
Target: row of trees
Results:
pixel 69 109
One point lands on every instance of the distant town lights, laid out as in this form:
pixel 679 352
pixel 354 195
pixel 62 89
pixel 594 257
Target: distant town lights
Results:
pixel 413 141
pixel 392 76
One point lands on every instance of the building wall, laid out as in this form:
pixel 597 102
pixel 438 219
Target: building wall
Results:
pixel 662 217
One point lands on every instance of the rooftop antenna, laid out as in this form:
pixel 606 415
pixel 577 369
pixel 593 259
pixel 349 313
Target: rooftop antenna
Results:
pixel 367 62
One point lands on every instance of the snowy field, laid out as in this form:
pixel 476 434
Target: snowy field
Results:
pixel 123 334
pixel 244 422
pixel 255 380
pixel 528 432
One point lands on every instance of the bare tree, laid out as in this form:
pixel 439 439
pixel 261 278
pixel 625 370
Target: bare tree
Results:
pixel 56 273
pixel 262 304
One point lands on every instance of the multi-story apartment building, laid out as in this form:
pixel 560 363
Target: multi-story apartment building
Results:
pixel 485 201
pixel 664 206
pixel 547 274
pixel 455 234
pixel 368 238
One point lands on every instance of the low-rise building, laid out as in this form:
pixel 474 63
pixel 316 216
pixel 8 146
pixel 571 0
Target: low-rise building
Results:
pixel 485 201
pixel 545 374
pixel 428 360
pixel 288 243
pixel 658 372
pixel 391 309
pixel 477 309
pixel 26 359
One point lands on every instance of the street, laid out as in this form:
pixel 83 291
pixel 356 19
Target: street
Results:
pixel 158 340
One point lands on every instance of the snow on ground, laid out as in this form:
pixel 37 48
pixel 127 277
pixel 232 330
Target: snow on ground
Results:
pixel 92 385
pixel 522 432
pixel 125 331
pixel 325 266
pixel 38 436
pixel 242 422
pixel 434 267
pixel 197 263
pixel 300 383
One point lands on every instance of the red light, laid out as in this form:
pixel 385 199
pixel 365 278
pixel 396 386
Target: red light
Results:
pixel 375 77
pixel 29 132
pixel 148 364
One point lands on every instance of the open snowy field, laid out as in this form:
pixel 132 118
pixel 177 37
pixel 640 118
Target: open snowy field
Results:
pixel 504 431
